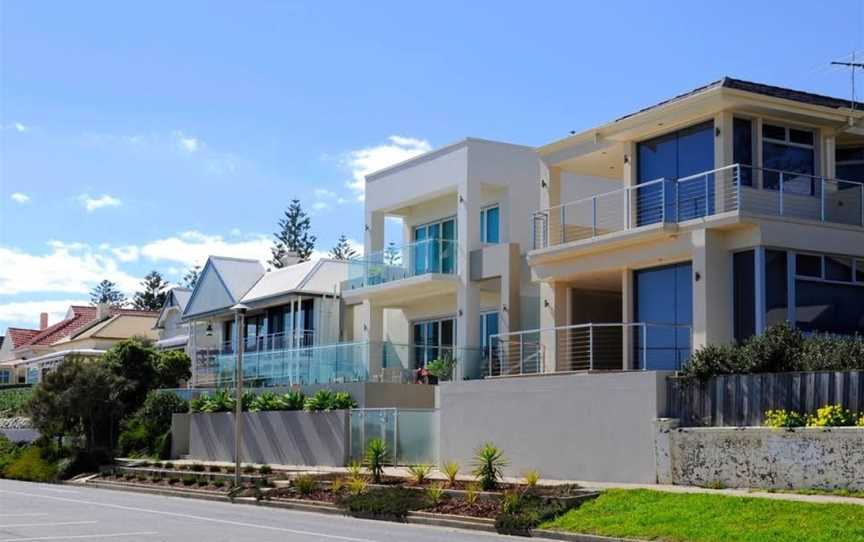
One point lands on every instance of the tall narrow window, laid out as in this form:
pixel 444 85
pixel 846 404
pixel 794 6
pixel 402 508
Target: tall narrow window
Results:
pixel 776 287
pixel 742 148
pixel 489 225
pixel 744 294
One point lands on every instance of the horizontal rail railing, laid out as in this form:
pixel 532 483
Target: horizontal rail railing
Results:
pixel 589 347
pixel 402 262
pixel 736 187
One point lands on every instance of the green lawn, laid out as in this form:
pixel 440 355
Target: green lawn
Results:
pixel 693 517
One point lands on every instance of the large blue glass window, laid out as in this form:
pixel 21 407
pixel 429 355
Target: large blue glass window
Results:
pixel 744 294
pixel 664 301
pixel 788 150
pixel 674 156
pixel 742 148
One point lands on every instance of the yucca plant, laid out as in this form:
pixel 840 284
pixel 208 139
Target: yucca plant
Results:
pixel 420 473
pixel 293 400
pixel 355 470
pixel 375 458
pixel 435 493
pixel 489 463
pixel 266 401
pixel 472 491
pixel 356 486
pixel 531 478
pixel 320 400
pixel 450 469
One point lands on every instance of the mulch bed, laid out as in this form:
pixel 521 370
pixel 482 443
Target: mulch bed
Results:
pixel 459 507
pixel 164 482
pixel 320 495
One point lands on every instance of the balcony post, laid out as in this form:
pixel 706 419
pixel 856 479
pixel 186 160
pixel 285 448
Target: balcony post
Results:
pixel 521 354
pixel 822 199
pixel 781 193
pixel 563 229
pixel 590 346
pixel 706 194
pixel 594 216
pixel 738 187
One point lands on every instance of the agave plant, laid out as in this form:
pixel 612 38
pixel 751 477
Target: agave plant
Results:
pixel 450 469
pixel 375 458
pixel 267 401
pixel 198 404
pixel 293 400
pixel 321 400
pixel 489 463
pixel 342 400
pixel 420 473
pixel 221 401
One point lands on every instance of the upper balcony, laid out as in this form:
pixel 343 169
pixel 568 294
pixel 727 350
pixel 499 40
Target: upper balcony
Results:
pixel 735 190
pixel 418 269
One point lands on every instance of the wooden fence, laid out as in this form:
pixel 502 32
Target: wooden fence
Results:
pixel 741 400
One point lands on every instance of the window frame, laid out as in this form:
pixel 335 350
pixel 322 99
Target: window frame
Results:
pixel 484 227
pixel 787 128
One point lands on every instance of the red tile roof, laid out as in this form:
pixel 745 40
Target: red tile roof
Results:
pixel 19 336
pixel 81 316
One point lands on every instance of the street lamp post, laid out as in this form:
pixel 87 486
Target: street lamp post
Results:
pixel 239 324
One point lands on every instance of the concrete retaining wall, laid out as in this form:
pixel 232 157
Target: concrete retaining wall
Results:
pixel 287 438
pixel 760 457
pixel 596 427
pixel 179 435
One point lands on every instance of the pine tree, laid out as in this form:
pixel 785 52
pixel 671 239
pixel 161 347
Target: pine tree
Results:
pixel 107 292
pixel 343 250
pixel 392 256
pixel 293 236
pixel 154 290
pixel 190 279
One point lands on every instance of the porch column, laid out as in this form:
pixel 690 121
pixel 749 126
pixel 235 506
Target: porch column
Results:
pixel 627 317
pixel 468 292
pixel 723 156
pixel 553 313
pixel 712 289
pixel 374 232
pixel 629 176
pixel 510 301
pixel 550 196
pixel 373 335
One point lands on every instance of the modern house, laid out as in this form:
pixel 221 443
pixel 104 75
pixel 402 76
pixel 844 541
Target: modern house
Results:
pixel 85 331
pixel 458 275
pixel 725 210
pixel 292 323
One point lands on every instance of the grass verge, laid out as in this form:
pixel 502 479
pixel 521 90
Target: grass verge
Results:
pixel 693 517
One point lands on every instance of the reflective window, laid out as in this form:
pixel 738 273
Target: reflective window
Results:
pixel 859 270
pixel 663 295
pixel 829 307
pixel 776 287
pixel 742 148
pixel 807 265
pixel 791 151
pixel 489 225
pixel 774 132
pixel 849 166
pixel 838 268
pixel 744 294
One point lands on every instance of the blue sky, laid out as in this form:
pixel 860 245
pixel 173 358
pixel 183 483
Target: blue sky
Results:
pixel 138 137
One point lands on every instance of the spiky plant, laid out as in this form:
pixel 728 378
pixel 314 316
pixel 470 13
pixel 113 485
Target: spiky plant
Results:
pixel 375 458
pixel 489 463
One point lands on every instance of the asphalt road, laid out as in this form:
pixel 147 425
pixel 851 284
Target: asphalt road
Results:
pixel 44 512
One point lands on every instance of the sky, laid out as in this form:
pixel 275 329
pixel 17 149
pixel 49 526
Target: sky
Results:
pixel 140 136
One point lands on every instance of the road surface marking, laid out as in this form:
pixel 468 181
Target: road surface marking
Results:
pixel 190 516
pixel 49 524
pixel 31 514
pixel 79 536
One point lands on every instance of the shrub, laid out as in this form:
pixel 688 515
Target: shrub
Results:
pixel 472 491
pixel 329 400
pixel 198 404
pixel 784 418
pixel 196 467
pixel 218 483
pixel 375 458
pixel 9 452
pixel 221 401
pixel 355 469
pixel 712 360
pixel 12 401
pixel 247 399
pixel 441 368
pixel 489 463
pixel 420 473
pixel 387 503
pixel 173 480
pixel 172 367
pixel 305 484
pixel 169 465
pixel 337 485
pixel 214 468
pixel 265 469
pixel 189 480
pixel 859 423
pixel 294 400
pixel 435 493
pixel 249 469
pixel 831 416
pixel 31 465
pixel 450 469
pixel 202 482
pixel 267 401
pixel 356 486
pixel 531 478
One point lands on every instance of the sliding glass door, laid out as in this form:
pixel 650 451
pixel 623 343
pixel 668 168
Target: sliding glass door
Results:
pixel 433 339
pixel 434 249
pixel 664 302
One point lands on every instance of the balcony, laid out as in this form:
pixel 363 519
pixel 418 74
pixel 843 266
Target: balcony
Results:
pixel 421 268
pixel 732 189
pixel 589 347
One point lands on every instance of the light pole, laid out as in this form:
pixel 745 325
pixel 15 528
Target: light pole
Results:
pixel 239 324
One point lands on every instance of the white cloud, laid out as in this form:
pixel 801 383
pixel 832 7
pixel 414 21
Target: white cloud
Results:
pixel 362 162
pixel 20 197
pixel 129 253
pixel 68 267
pixel 187 143
pixel 93 203
pixel 320 206
pixel 324 193
pixel 193 247
pixel 20 128
pixel 26 313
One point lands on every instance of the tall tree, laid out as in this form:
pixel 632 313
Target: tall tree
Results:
pixel 293 236
pixel 190 279
pixel 342 250
pixel 392 256
pixel 154 290
pixel 107 292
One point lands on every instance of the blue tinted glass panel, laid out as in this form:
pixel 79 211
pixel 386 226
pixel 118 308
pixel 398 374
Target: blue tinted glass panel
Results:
pixel 663 295
pixel 742 148
pixel 744 294
pixel 491 225
pixel 829 307
pixel 777 156
pixel 776 287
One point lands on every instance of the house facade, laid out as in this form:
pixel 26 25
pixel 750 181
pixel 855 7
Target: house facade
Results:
pixel 724 210
pixel 458 274
pixel 173 332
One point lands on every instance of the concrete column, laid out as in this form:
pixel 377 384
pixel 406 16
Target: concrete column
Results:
pixel 510 300
pixel 829 157
pixel 468 292
pixel 627 316
pixel 374 232
pixel 629 176
pixel 723 156
pixel 553 313
pixel 373 334
pixel 712 289
pixel 550 196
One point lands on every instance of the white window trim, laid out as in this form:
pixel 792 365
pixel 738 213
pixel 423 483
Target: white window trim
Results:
pixel 484 230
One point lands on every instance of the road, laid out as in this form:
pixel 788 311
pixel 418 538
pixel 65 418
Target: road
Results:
pixel 45 512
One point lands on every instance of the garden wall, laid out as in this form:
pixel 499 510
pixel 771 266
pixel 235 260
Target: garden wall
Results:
pixel 589 426
pixel 278 437
pixel 760 457
pixel 742 399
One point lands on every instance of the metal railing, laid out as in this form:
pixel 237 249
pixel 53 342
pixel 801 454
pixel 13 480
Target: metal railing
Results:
pixel 736 187
pixel 300 338
pixel 589 347
pixel 398 263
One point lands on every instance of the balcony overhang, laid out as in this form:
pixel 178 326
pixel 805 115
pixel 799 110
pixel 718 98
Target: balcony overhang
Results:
pixel 399 292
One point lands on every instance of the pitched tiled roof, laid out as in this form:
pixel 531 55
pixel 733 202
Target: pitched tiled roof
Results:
pixel 81 316
pixel 20 336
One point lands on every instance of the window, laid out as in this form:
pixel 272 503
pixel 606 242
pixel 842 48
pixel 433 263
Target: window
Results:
pixel 663 295
pixel 433 339
pixel 859 271
pixel 434 248
pixel 742 148
pixel 4 377
pixel 489 225
pixel 807 265
pixel 789 150
pixel 776 287
pixel 744 294
pixel 838 268
pixel 829 307
pixel 488 327
pixel 849 167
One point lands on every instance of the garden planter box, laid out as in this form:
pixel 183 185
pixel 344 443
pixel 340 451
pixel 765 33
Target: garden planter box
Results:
pixel 278 437
pixel 174 473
